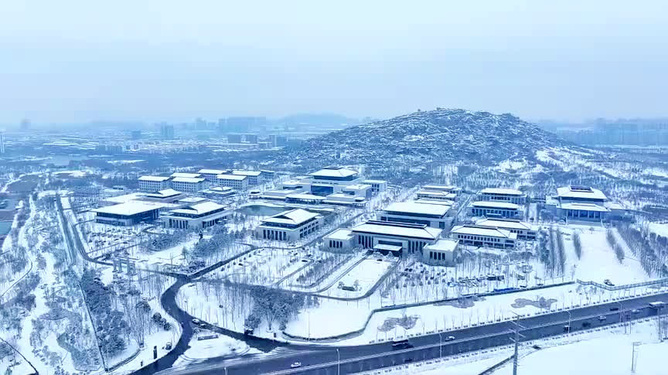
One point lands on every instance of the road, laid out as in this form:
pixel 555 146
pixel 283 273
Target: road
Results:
pixel 329 360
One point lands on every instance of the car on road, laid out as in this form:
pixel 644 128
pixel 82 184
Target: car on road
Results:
pixel 608 282
pixel 296 364
pixel 586 324
pixel 449 338
pixel 602 318
pixel 196 321
pixel 614 308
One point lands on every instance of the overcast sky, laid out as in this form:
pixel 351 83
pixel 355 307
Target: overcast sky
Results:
pixel 81 60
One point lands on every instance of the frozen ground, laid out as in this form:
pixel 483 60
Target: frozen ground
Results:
pixel 219 346
pixel 361 278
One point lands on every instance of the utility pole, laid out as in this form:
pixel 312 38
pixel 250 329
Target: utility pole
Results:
pixel 516 340
pixel 634 354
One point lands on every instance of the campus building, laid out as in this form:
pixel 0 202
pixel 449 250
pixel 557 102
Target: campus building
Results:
pixel 436 195
pixel 286 189
pixel 395 238
pixel 163 196
pixel 189 184
pixel 254 177
pixel 128 213
pixel 185 175
pixel 289 226
pixel 340 239
pixel 153 183
pixel 377 186
pixel 431 215
pixel 496 209
pixel 581 203
pixel 502 195
pixel 524 230
pixel 330 180
pixel 196 216
pixel 440 253
pixel 232 180
pixel 474 235
pixel 212 174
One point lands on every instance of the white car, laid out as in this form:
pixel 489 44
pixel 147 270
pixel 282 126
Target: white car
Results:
pixel 296 364
pixel 449 338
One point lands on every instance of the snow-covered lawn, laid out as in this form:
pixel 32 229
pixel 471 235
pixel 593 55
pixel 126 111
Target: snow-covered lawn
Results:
pixel 361 278
pixel 220 346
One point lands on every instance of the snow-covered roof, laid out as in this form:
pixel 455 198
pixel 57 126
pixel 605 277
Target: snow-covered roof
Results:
pixel 580 192
pixel 153 178
pixel 445 188
pixel 129 208
pixel 192 200
pixel 501 191
pixel 339 234
pixel 492 204
pixel 398 229
pixel 185 175
pixel 356 187
pixel 165 193
pixel 483 231
pixel 443 202
pixel 386 247
pixel 247 173
pixel 293 217
pixel 437 193
pixel 334 172
pixel 189 180
pixel 212 171
pixel 505 224
pixel 231 177
pixel 125 198
pixel 305 196
pixel 199 208
pixel 583 207
pixel 371 182
pixel 408 208
pixel 442 245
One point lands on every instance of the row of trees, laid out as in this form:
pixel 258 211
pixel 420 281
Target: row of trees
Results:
pixel 616 247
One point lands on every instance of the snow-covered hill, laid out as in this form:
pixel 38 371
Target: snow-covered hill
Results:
pixel 428 136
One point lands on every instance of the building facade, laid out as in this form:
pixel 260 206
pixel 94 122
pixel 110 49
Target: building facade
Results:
pixel 581 203
pixel 291 225
pixel 474 235
pixel 128 213
pixel 196 216
pixel 153 183
pixel 397 238
pixel 431 215
pixel 440 253
pixel 496 209
pixel 502 195
pixel 233 181
pixel 523 230
pixel 189 184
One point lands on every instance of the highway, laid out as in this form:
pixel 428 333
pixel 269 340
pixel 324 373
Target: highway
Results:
pixel 348 359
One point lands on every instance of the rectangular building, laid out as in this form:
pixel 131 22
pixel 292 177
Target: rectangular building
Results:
pixel 377 186
pixel 440 253
pixel 129 213
pixel 474 235
pixel 153 183
pixel 254 177
pixel 163 196
pixel 196 216
pixel 397 238
pixel 189 184
pixel 502 195
pixel 497 209
pixel 581 203
pixel 291 225
pixel 340 239
pixel 431 215
pixel 436 195
pixel 233 181
pixel 185 175
pixel 524 230
pixel 211 174
pixel 330 180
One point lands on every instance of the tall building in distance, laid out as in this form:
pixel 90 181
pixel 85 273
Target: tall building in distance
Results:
pixel 135 134
pixel 166 131
pixel 25 125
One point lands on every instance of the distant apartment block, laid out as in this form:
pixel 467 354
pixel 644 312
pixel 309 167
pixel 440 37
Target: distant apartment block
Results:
pixel 153 183
pixel 502 195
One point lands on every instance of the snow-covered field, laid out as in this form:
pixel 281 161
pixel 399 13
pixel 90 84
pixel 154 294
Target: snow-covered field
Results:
pixel 359 280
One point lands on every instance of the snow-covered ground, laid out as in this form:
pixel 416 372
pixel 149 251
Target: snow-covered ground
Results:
pixel 360 278
pixel 201 349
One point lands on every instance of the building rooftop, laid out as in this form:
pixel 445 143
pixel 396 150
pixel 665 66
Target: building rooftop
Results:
pixel 125 198
pixel 339 234
pixel 370 182
pixel 505 224
pixel 128 208
pixel 445 188
pixel 356 187
pixel 334 172
pixel 292 217
pixel 306 196
pixel 165 193
pixel 189 180
pixel 191 200
pixel 154 178
pixel 409 208
pixel 501 191
pixel 492 204
pixel 580 192
pixel 442 245
pixel 231 177
pixel 483 231
pixel 199 208
pixel 438 193
pixel 212 171
pixel 386 247
pixel 247 173
pixel 185 175
pixel 398 229
pixel 583 207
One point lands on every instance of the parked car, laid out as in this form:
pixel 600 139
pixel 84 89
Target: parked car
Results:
pixel 296 364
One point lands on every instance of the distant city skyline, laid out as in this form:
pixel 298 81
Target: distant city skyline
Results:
pixel 74 61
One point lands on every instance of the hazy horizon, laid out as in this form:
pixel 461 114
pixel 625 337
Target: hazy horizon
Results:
pixel 74 61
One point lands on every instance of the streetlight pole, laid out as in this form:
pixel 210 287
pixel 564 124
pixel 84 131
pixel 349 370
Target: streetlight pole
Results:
pixel 440 345
pixel 338 362
pixel 569 320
